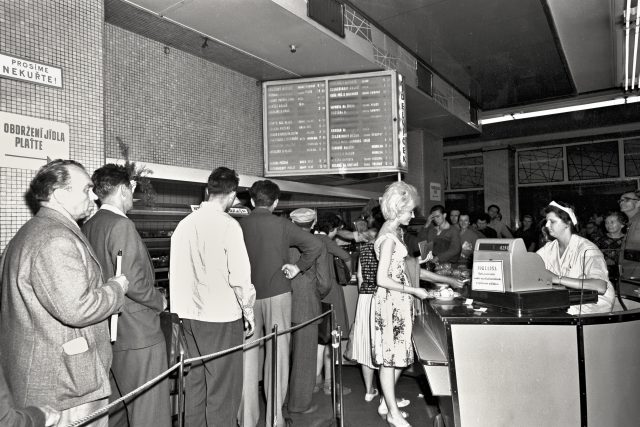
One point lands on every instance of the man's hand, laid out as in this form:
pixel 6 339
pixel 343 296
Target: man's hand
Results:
pixel 51 416
pixel 290 270
pixel 249 327
pixel 122 281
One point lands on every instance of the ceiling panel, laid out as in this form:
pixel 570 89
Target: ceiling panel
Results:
pixel 504 53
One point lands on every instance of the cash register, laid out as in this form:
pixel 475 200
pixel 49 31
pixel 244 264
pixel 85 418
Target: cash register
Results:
pixel 506 275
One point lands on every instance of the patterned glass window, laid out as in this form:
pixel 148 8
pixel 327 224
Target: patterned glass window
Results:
pixel 593 161
pixel 466 172
pixel 537 166
pixel 632 157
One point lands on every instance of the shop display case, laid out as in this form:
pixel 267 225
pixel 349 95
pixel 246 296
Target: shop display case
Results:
pixel 157 214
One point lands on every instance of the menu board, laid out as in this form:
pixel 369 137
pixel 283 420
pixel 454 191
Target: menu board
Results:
pixel 361 122
pixel 297 126
pixel 337 124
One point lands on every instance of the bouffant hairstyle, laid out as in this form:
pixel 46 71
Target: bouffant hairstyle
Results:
pixel 50 177
pixel 563 215
pixel 398 197
pixel 622 218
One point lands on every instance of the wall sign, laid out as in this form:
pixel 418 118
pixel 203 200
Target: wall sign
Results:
pixel 29 71
pixel 28 142
pixel 335 125
pixel 435 192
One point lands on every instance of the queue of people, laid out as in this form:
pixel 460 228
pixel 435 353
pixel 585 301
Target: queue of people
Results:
pixel 231 281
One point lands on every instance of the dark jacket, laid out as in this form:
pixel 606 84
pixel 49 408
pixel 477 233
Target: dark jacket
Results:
pixel 309 287
pixel 139 322
pixel 268 238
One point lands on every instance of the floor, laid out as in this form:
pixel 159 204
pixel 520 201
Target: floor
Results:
pixel 357 412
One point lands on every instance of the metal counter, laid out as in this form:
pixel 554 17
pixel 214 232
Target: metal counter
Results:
pixel 549 369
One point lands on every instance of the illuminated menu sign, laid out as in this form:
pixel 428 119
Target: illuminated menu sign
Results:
pixel 338 124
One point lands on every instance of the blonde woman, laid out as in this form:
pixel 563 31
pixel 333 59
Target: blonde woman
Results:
pixel 392 309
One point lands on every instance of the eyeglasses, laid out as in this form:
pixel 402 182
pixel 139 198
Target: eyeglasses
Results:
pixel 626 199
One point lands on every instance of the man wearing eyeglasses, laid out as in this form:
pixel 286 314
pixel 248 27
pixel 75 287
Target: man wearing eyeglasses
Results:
pixel 630 255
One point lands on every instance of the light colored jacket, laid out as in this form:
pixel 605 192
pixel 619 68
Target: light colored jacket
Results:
pixel 53 293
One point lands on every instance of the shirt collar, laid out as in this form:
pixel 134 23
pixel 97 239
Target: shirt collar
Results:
pixel 111 208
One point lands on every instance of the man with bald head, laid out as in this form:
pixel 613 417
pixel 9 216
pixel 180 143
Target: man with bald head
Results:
pixel 629 204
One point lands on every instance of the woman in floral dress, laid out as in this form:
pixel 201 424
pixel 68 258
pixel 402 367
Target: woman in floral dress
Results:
pixel 392 310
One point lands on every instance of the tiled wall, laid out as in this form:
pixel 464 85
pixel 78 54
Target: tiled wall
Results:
pixel 65 34
pixel 173 108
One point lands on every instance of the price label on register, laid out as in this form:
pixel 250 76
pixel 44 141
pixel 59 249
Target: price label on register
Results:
pixel 488 276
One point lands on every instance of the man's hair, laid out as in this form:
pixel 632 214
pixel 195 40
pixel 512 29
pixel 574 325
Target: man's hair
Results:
pixel 483 217
pixel 107 178
pixel 50 177
pixel 264 193
pixel 494 206
pixel 327 221
pixel 437 208
pixel 398 197
pixel 222 181
pixel 378 218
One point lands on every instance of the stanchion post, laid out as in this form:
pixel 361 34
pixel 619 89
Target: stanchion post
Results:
pixel 332 323
pixel 339 379
pixel 180 380
pixel 274 377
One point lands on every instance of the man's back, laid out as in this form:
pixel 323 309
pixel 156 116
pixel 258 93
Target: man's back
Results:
pixel 139 323
pixel 268 238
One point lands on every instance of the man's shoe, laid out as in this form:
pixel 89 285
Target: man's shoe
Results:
pixel 313 408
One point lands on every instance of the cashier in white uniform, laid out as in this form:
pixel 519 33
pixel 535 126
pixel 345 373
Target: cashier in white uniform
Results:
pixel 574 261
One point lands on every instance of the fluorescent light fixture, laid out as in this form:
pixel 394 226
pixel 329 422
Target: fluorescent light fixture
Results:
pixel 560 110
pixel 627 27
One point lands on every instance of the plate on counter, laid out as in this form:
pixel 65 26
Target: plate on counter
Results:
pixel 446 294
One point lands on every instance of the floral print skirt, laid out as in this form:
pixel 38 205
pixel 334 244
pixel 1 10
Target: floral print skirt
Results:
pixel 391 327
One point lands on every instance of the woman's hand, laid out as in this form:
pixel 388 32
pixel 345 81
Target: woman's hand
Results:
pixel 420 293
pixel 427 258
pixel 458 284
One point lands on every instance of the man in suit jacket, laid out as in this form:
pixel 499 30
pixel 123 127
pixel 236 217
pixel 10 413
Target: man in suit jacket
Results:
pixel 139 352
pixel 53 333
pixel 307 291
pixel 268 238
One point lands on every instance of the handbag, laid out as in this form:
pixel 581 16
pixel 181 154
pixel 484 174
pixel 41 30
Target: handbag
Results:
pixel 174 335
pixel 324 328
pixel 343 274
pixel 348 351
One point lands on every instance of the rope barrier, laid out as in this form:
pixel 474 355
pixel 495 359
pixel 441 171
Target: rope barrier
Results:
pixel 188 362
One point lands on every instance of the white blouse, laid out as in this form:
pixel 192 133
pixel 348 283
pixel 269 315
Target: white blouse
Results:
pixel 581 260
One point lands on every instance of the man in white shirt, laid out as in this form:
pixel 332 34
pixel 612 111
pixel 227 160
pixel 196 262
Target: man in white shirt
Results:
pixel 211 290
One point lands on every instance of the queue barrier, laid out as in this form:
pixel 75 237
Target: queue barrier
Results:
pixel 336 374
